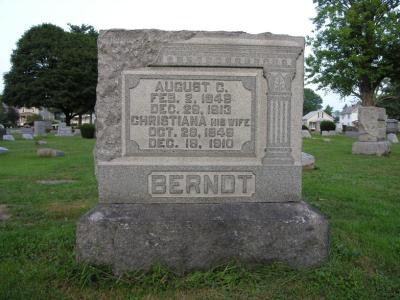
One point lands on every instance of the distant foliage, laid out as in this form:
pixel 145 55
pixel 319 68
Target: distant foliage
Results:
pixel 327 126
pixel 304 127
pixel 32 118
pixel 87 131
pixel 312 101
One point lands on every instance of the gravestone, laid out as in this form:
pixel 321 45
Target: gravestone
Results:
pixel 40 127
pixel 392 138
pixel 198 153
pixel 392 126
pixel 8 137
pixel 372 132
pixel 26 130
pixel 307 161
pixel 64 130
pixel 27 136
pixel 3 150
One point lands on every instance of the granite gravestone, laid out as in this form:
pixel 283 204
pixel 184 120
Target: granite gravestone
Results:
pixel 372 132
pixel 198 153
pixel 40 128
pixel 64 130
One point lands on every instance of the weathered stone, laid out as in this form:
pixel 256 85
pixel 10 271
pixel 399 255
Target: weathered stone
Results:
pixel 307 161
pixel 200 236
pixel 371 148
pixel 392 138
pixel 77 132
pixel 41 142
pixel 372 124
pixel 198 134
pixel 64 130
pixel 3 150
pixel 40 127
pixel 55 181
pixel 328 133
pixel 26 130
pixel 27 136
pixel 48 152
pixel 372 132
pixel 8 137
pixel 392 126
pixel 305 134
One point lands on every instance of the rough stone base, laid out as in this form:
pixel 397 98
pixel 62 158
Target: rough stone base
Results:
pixel 188 237
pixel 371 148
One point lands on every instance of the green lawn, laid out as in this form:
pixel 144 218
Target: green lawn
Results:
pixel 360 195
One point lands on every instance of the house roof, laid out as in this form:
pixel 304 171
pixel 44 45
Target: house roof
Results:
pixel 313 113
pixel 349 109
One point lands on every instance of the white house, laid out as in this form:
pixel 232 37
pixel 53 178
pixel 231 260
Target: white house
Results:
pixel 349 115
pixel 25 112
pixel 314 118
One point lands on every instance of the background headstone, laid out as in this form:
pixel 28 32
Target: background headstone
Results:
pixel 392 126
pixel 48 152
pixel 64 130
pixel 27 136
pixel 26 130
pixel 392 138
pixel 198 165
pixel 372 132
pixel 40 128
pixel 3 150
pixel 8 137
pixel 307 161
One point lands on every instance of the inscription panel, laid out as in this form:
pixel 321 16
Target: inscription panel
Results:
pixel 197 113
pixel 201 184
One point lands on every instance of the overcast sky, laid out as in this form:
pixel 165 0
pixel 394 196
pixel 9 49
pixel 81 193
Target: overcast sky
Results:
pixel 254 16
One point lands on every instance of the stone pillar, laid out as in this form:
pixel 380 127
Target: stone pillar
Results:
pixel 372 130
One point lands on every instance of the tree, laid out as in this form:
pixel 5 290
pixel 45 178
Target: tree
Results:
pixel 355 46
pixel 389 99
pixel 329 110
pixel 55 69
pixel 312 101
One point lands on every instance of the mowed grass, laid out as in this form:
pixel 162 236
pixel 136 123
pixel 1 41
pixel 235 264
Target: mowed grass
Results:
pixel 360 195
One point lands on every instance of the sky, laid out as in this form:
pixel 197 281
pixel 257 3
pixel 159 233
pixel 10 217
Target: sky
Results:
pixel 291 17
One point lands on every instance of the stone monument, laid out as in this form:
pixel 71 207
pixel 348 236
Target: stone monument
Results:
pixel 39 128
pixel 392 126
pixel 372 132
pixel 64 130
pixel 198 153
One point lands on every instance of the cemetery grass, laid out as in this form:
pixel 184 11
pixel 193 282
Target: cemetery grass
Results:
pixel 360 195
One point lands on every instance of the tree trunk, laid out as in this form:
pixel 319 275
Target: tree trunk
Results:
pixel 80 119
pixel 68 118
pixel 91 118
pixel 367 93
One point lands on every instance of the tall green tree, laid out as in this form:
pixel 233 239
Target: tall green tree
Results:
pixel 329 110
pixel 389 98
pixel 356 44
pixel 55 69
pixel 312 101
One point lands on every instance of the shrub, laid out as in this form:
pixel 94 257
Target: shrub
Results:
pixel 304 127
pixel 327 126
pixel 87 131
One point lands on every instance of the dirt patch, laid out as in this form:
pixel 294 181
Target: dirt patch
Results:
pixel 54 182
pixel 4 213
pixel 61 210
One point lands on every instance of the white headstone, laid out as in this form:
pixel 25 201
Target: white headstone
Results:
pixel 27 136
pixel 8 137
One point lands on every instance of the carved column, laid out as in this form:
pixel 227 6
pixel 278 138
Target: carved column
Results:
pixel 278 150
